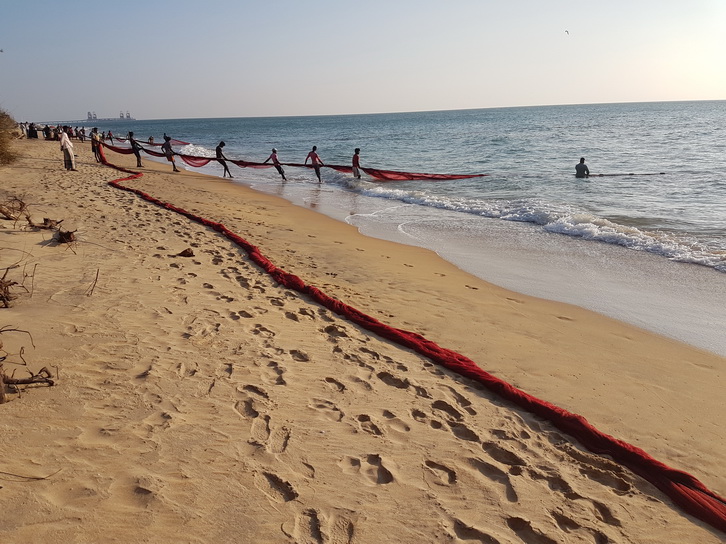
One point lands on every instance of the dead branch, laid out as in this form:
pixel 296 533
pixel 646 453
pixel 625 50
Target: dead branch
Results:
pixel 89 291
pixel 22 478
pixel 7 328
pixel 14 210
pixel 42 377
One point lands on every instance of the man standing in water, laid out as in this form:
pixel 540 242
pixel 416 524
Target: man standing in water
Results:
pixel 316 161
pixel 222 160
pixel 276 163
pixel 581 169
pixel 356 163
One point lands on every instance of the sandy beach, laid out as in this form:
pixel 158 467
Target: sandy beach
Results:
pixel 196 400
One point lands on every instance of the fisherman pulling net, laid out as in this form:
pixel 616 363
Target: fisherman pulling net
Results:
pixel 196 161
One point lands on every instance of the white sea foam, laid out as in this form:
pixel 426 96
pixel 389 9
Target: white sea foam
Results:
pixel 566 221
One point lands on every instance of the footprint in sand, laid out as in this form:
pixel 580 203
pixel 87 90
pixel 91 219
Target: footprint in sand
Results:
pixel 327 408
pixel 246 406
pixel 307 528
pixel 299 356
pixel 554 482
pixel 466 532
pixel 393 381
pixel 370 352
pixel 292 316
pixel 495 474
pixel 447 410
pixel 335 385
pixel 306 312
pixel 395 423
pixel 619 485
pixel 279 439
pixel 263 331
pixel 443 475
pixel 604 514
pixel 461 400
pixel 334 332
pixel 366 424
pixel 275 488
pixel 260 431
pixel 462 432
pixel 275 374
pixel 323 314
pixel 502 455
pixel 524 530
pixel 371 468
pixel 313 527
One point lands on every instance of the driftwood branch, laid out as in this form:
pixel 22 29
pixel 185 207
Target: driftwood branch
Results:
pixel 42 377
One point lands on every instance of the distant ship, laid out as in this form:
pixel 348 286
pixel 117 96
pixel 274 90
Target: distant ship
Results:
pixel 121 117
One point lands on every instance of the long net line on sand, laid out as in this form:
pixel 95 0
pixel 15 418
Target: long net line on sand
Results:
pixel 683 489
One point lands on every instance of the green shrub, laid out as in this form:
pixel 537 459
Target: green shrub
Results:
pixel 8 129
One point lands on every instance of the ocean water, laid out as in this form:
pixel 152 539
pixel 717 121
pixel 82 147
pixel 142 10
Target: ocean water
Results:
pixel 646 243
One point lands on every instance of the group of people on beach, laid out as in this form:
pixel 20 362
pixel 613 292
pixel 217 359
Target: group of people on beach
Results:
pixel 51 132
pixel 64 134
pixel 313 157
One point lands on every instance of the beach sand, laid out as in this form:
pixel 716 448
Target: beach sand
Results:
pixel 199 401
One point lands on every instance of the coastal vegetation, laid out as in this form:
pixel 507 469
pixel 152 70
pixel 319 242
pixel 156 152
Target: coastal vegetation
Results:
pixel 7 133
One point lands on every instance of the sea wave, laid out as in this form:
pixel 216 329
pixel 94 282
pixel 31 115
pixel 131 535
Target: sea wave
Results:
pixel 567 221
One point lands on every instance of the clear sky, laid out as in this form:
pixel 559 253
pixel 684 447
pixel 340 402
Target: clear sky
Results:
pixel 237 58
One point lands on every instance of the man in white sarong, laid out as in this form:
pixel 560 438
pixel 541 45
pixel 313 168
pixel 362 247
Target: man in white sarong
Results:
pixel 69 159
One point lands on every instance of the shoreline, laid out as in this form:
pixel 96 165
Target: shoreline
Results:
pixel 682 301
pixel 560 353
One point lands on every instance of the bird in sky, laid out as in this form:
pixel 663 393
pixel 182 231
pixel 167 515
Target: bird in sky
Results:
pixel 567 32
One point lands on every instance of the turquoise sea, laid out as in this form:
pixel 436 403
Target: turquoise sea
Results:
pixel 646 249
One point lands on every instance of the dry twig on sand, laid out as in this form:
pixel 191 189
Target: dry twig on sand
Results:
pixel 14 209
pixel 22 478
pixel 5 295
pixel 43 376
pixel 89 291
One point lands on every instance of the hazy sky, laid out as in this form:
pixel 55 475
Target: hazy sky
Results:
pixel 219 58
